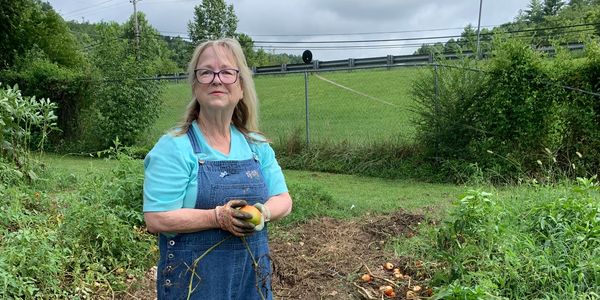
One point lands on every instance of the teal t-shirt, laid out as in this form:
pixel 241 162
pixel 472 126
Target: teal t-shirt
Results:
pixel 171 168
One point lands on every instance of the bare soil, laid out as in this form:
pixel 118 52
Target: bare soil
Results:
pixel 325 259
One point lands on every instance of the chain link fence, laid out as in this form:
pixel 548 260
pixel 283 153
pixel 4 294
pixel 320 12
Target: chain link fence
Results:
pixel 354 106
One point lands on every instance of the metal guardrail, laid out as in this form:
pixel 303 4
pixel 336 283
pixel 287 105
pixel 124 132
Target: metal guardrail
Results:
pixel 356 63
pixel 374 62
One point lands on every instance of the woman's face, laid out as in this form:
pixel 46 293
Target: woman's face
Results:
pixel 217 95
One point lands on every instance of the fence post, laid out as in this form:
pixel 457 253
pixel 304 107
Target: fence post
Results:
pixel 437 109
pixel 306 102
pixel 390 61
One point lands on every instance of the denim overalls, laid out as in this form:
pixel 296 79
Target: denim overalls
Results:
pixel 227 271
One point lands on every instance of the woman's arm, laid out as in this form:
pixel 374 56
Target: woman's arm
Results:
pixel 181 220
pixel 279 205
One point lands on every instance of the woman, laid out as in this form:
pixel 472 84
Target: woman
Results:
pixel 198 176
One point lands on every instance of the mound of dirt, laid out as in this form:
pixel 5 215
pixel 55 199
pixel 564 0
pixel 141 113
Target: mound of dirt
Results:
pixel 325 258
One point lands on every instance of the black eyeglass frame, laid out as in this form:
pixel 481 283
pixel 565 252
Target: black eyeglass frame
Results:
pixel 215 74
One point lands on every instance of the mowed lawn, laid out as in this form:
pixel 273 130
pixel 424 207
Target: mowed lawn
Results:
pixel 351 195
pixel 358 106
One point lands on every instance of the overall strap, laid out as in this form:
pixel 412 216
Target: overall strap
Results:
pixel 194 140
pixel 253 148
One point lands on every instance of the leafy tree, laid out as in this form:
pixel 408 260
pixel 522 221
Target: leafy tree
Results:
pixel 284 58
pixel 552 7
pixel 248 47
pixel 25 23
pixel 181 51
pixel 123 105
pixel 452 46
pixel 535 13
pixel 213 19
pixel 261 58
pixel 152 48
pixel 13 16
pixel 84 32
pixel 430 49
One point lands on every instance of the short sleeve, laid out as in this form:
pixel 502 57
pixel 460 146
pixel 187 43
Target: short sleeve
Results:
pixel 270 168
pixel 166 175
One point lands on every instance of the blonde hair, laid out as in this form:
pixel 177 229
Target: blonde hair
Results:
pixel 245 114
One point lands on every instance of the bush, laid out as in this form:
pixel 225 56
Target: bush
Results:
pixel 18 118
pixel 505 116
pixel 124 105
pixel 68 89
pixel 74 244
pixel 580 113
pixel 539 242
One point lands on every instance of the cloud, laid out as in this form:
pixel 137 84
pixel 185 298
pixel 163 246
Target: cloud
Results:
pixel 276 20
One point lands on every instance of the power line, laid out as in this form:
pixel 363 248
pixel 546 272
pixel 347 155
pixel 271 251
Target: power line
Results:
pixel 367 33
pixel 402 39
pixel 403 45
pixel 88 7
pixel 345 34
pixel 90 10
pixel 416 38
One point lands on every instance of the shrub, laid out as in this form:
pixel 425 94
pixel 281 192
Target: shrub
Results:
pixel 73 244
pixel 536 243
pixel 68 89
pixel 18 118
pixel 124 105
pixel 504 116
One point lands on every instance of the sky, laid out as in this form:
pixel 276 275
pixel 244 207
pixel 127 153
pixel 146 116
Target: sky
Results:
pixel 271 22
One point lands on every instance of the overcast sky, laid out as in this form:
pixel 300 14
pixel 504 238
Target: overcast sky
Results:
pixel 316 20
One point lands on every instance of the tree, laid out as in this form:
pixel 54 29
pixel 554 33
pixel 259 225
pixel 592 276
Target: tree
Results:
pixel 152 48
pixel 248 47
pixel 577 2
pixel 13 16
pixel 535 13
pixel 123 105
pixel 552 7
pixel 25 23
pixel 468 39
pixel 181 51
pixel 213 19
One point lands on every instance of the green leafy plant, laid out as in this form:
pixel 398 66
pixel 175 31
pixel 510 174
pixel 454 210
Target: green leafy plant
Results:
pixel 19 117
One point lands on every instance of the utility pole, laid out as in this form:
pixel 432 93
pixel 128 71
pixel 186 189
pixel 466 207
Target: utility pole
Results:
pixel 137 29
pixel 478 29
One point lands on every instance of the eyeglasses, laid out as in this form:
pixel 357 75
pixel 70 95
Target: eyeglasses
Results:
pixel 226 76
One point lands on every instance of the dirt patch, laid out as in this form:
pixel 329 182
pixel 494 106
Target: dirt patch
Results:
pixel 325 258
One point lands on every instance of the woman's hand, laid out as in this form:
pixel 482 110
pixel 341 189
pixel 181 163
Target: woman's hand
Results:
pixel 233 220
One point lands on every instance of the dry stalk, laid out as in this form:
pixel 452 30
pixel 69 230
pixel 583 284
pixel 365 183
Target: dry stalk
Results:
pixel 364 292
pixel 379 277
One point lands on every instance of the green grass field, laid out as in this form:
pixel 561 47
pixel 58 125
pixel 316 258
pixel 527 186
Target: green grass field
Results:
pixel 378 108
pixel 366 194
